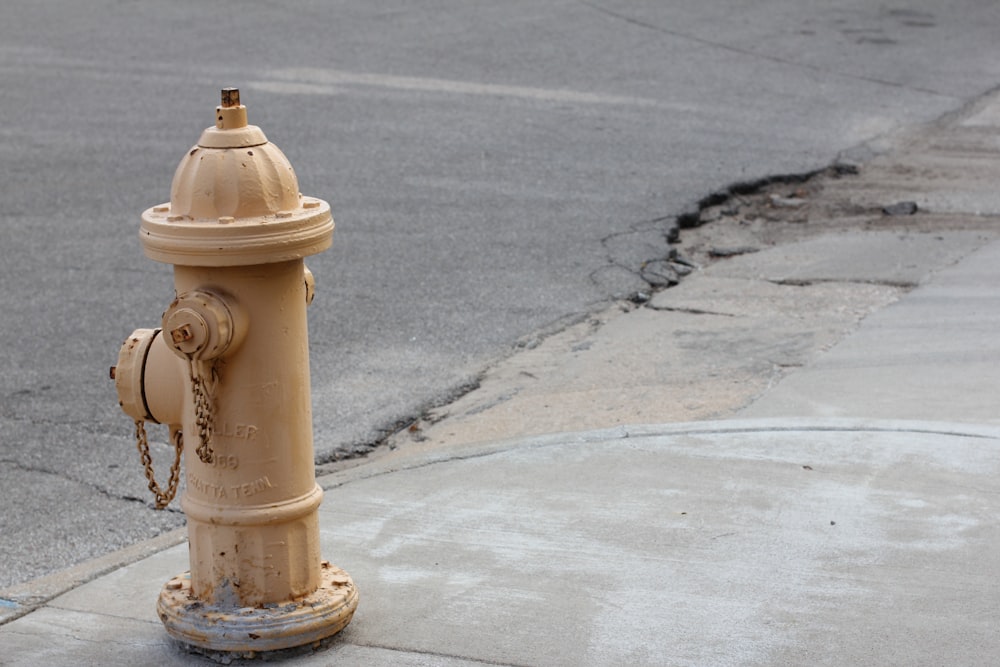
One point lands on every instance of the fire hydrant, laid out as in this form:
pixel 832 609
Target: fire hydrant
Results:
pixel 228 372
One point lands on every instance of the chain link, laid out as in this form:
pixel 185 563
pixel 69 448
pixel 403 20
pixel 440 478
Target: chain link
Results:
pixel 204 415
pixel 202 390
pixel 163 498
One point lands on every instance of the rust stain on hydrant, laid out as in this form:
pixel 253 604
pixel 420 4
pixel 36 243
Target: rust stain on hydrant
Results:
pixel 230 377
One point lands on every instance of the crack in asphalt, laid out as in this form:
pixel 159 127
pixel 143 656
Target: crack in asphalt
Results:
pixel 670 234
pixel 798 282
pixel 740 189
pixel 90 485
pixel 650 271
pixel 689 311
pixel 86 425
pixel 359 450
pixel 763 56
pixel 668 269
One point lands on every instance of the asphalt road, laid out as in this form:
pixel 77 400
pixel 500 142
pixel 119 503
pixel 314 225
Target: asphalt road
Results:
pixel 495 170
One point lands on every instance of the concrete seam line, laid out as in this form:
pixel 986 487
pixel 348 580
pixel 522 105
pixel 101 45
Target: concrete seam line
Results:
pixel 831 425
pixel 30 595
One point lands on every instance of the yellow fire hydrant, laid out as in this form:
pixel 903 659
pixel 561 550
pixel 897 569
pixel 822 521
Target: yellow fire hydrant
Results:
pixel 228 372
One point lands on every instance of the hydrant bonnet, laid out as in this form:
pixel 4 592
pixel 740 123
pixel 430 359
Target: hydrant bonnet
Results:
pixel 235 201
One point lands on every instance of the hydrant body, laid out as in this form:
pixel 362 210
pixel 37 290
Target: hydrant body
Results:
pixel 229 373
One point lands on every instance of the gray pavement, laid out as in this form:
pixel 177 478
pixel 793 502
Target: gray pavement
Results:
pixel 855 523
pixel 839 509
pixel 496 170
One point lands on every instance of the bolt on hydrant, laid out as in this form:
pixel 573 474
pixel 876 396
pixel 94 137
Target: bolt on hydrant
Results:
pixel 228 372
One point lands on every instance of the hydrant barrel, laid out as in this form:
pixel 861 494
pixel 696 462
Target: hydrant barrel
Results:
pixel 261 474
pixel 228 371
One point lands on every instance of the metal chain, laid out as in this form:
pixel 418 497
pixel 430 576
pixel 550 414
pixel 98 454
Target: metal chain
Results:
pixel 202 391
pixel 163 498
pixel 203 413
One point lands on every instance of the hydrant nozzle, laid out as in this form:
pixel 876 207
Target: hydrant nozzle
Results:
pixel 228 371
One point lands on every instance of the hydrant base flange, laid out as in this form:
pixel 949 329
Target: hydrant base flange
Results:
pixel 298 622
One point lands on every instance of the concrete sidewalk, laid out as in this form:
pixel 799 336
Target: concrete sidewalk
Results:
pixel 799 539
pixel 750 542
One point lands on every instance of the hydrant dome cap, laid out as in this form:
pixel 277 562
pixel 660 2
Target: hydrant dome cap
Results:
pixel 243 182
pixel 234 200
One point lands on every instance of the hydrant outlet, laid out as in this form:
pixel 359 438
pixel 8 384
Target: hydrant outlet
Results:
pixel 149 379
pixel 128 373
pixel 200 325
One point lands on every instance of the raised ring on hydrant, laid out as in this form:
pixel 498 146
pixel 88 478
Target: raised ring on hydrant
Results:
pixel 312 618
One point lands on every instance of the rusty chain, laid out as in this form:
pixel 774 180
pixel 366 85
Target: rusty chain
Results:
pixel 202 391
pixel 162 497
pixel 204 415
